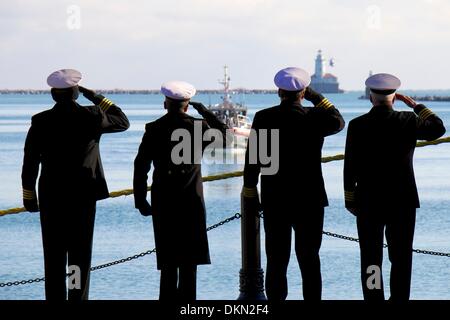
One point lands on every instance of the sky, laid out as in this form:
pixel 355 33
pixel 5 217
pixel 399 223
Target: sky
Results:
pixel 139 44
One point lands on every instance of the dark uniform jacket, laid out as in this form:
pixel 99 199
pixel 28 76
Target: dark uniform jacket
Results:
pixel 301 135
pixel 178 209
pixel 378 168
pixel 65 141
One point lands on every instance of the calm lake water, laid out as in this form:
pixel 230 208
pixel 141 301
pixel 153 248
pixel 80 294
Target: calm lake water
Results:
pixel 121 231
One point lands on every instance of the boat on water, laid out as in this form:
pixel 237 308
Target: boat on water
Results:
pixel 233 114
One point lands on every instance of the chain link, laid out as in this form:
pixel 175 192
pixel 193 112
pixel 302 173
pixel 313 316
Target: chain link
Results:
pixel 18 283
pixel 236 216
pixel 113 263
pixel 432 253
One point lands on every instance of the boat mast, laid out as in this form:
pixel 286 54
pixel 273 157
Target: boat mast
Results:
pixel 226 87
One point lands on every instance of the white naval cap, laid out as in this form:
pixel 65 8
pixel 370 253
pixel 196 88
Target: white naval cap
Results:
pixel 292 79
pixel 64 78
pixel 178 90
pixel 383 83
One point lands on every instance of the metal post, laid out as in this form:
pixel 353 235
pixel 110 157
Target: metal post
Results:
pixel 251 276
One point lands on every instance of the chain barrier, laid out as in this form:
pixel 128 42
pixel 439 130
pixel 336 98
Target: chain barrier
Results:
pixel 432 253
pixel 236 216
pixel 22 282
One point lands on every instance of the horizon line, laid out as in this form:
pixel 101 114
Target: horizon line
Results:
pixel 21 90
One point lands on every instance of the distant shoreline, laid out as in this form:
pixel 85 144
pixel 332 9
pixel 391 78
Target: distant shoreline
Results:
pixel 125 91
pixel 431 97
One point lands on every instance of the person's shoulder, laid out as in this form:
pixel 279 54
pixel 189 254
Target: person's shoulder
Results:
pixel 41 116
pixel 405 114
pixel 185 117
pixel 157 123
pixel 267 112
pixel 151 125
pixel 188 117
pixel 91 108
pixel 311 110
pixel 359 120
pixel 91 113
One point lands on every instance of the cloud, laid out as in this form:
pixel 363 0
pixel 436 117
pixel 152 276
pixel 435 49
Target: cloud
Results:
pixel 139 44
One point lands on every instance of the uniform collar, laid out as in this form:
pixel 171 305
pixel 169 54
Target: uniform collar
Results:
pixel 288 104
pixel 381 108
pixel 66 105
pixel 179 113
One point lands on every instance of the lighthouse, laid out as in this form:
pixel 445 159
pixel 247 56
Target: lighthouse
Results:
pixel 320 65
pixel 322 81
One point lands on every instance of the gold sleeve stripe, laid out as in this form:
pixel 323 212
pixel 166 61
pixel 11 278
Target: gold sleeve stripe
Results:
pixel 349 195
pixel 29 194
pixel 105 104
pixel 321 103
pixel 324 103
pixel 328 105
pixel 422 111
pixel 425 113
pixel 249 192
pixel 101 104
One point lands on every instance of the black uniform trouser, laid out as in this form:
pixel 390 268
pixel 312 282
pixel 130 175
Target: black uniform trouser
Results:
pixel 308 226
pixel 178 283
pixel 67 233
pixel 399 226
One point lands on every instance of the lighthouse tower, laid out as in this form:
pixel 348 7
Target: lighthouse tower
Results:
pixel 320 65
pixel 322 81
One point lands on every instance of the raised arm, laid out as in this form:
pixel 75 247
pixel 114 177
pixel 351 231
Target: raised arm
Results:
pixel 429 125
pixel 329 120
pixel 213 122
pixel 113 119
pixel 209 116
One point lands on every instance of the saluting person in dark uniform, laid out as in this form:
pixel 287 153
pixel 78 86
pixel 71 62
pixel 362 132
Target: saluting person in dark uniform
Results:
pixel 64 141
pixel 379 183
pixel 294 197
pixel 177 205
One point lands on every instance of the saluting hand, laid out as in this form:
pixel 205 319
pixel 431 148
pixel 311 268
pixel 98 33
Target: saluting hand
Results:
pixel 407 100
pixel 197 106
pixel 87 93
pixel 309 93
pixel 145 209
